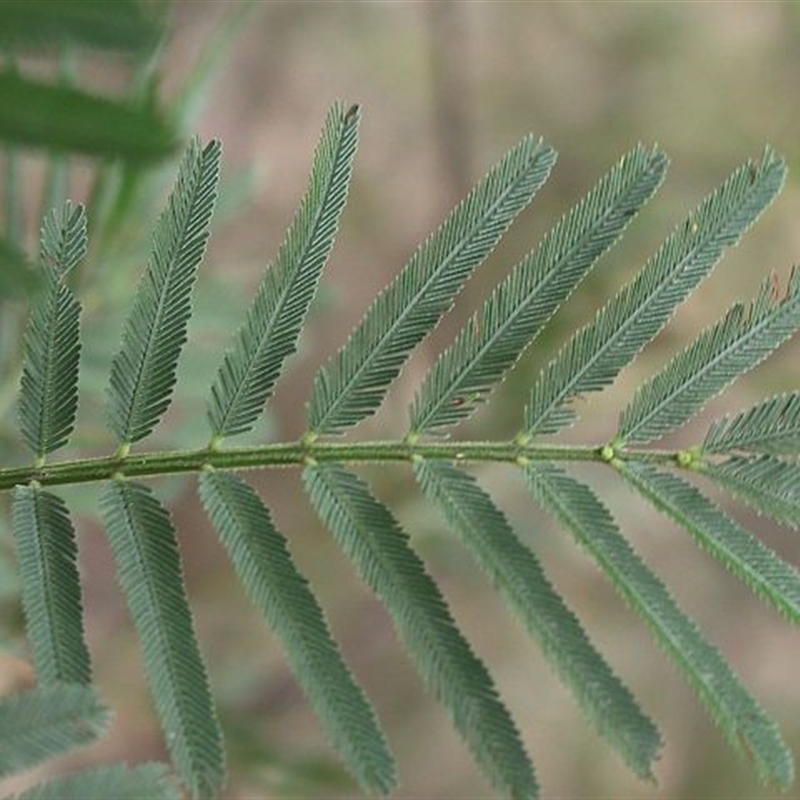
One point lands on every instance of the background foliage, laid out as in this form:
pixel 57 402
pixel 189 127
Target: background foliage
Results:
pixel 444 84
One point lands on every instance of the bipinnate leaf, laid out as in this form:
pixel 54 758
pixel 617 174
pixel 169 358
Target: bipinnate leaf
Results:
pixel 769 485
pixel 148 568
pixel 373 540
pixel 143 371
pixel 518 575
pixel 49 385
pixel 248 373
pixel 742 720
pixel 352 385
pixel 46 551
pixel 45 722
pixel 517 310
pixel 741 340
pixel 771 426
pixel 268 574
pixel 595 355
pixel 769 576
pixel 150 781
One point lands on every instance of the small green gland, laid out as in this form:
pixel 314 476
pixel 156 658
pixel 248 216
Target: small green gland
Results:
pixel 607 453
pixel 685 458
pixel 522 439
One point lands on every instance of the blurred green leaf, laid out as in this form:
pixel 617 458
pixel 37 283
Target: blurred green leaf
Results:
pixel 122 25
pixel 62 118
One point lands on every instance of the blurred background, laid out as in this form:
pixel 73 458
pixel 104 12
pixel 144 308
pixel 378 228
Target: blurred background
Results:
pixel 446 88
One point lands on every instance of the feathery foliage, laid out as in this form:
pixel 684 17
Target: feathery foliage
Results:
pixel 143 372
pixel 517 573
pixel 118 782
pixel 492 341
pixel 149 570
pixel 353 384
pixel 736 344
pixel 266 570
pixel 741 719
pixel 735 548
pixel 369 535
pixel 753 455
pixel 250 369
pixel 49 389
pixel 51 591
pixel 45 722
pixel 595 355
pixel 771 486
pixel 772 426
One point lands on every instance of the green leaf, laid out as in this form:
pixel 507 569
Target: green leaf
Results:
pixel 352 385
pixel 489 345
pixel 742 720
pixel 45 722
pixel 516 572
pixel 771 426
pixel 143 372
pixel 118 782
pixel 36 114
pixel 736 549
pixel 46 553
pixel 769 485
pixel 149 571
pixel 247 375
pixel 736 344
pixel 369 535
pixel 266 570
pixel 121 25
pixel 596 354
pixel 49 385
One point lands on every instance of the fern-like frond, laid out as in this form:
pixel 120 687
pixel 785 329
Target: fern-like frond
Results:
pixel 248 373
pixel 771 426
pixel 736 549
pixel 150 781
pixel 46 722
pixel 490 344
pixel 745 724
pixel 516 571
pixel 63 239
pixel 596 354
pixel 769 485
pixel 352 385
pixel 143 371
pixel 49 386
pixel 148 566
pixel 51 591
pixel 265 568
pixel 371 537
pixel 736 344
